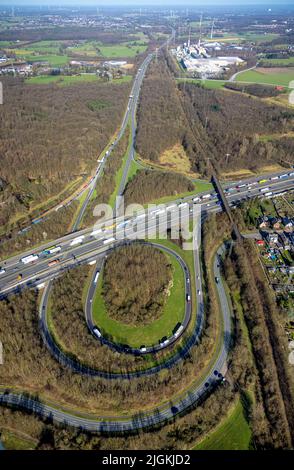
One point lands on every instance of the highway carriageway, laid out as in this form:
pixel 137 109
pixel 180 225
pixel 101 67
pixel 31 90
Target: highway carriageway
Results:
pixel 283 184
pixel 149 418
pixel 143 349
pixel 131 111
pixel 169 363
pixel 71 255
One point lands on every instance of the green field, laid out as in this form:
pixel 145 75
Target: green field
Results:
pixel 12 441
pixel 151 334
pixel 270 78
pixel 45 47
pixel 64 80
pixel 232 434
pixel 279 62
pixel 53 59
pixel 211 84
pixel 130 49
pixel 235 37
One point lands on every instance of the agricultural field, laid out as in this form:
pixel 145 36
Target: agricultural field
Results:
pixel 128 49
pixel 289 62
pixel 249 36
pixel 270 76
pixel 211 84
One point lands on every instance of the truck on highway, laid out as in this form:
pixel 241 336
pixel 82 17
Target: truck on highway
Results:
pixel 77 241
pixel 29 259
pixel 263 190
pixel 96 232
pixel 96 277
pixel 206 196
pixel 97 332
pixel 52 250
pixel 109 240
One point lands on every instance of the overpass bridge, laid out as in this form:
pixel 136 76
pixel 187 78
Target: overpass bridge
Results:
pixel 215 181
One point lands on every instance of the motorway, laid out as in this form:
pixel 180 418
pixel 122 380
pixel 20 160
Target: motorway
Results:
pixel 122 348
pixel 94 240
pixel 92 244
pixel 130 113
pixel 160 414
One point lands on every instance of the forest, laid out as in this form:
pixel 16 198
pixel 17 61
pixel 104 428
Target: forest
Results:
pixel 136 283
pixel 228 127
pixel 150 185
pixel 274 386
pixel 50 136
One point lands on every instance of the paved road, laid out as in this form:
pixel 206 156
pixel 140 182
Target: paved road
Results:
pixel 146 349
pixel 233 77
pixel 158 415
pixel 72 252
pixel 130 112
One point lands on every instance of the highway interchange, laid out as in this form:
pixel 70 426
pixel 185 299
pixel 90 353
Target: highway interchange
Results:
pixel 92 244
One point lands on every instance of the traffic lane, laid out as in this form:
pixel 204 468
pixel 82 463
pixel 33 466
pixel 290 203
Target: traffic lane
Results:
pixel 279 186
pixel 157 347
pixel 10 262
pixel 68 250
pixel 75 253
pixel 211 206
pixel 161 413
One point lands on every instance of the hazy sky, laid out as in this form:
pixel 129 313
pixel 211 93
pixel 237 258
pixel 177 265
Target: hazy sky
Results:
pixel 145 2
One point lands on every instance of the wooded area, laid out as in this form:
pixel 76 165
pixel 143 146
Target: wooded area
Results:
pixel 272 416
pixel 147 186
pixel 136 283
pixel 50 136
pixel 226 127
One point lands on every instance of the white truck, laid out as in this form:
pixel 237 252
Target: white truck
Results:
pixel 29 259
pixel 77 241
pixel 109 240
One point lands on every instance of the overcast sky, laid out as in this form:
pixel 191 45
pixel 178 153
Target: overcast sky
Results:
pixel 144 2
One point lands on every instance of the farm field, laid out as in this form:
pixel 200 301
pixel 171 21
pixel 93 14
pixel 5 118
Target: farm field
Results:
pixel 279 62
pixel 211 84
pixel 271 76
pixel 123 50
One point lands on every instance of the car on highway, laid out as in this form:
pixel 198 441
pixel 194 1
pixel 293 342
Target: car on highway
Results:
pixel 54 262
pixel 188 298
pixel 97 332
pixel 2 271
pixel 198 292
